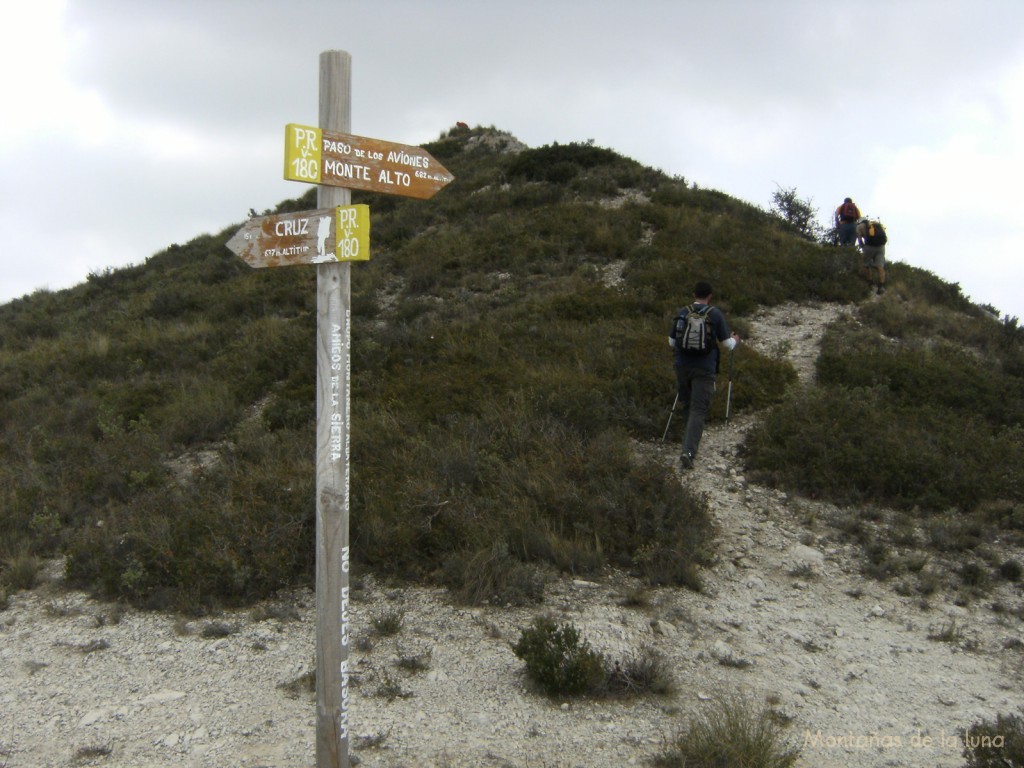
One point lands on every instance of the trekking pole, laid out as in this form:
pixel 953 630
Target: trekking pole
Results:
pixel 670 414
pixel 728 399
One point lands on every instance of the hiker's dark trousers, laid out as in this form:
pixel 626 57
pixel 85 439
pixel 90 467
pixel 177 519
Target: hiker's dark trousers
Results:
pixel 847 232
pixel 696 389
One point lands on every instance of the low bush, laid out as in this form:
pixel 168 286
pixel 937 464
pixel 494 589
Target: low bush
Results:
pixel 493 576
pixel 1011 570
pixel 388 623
pixel 854 445
pixel 20 572
pixel 517 489
pixel 559 660
pixel 562 663
pixel 559 163
pixel 731 733
pixel 995 743
pixel 240 529
pixel 642 672
pixel 947 375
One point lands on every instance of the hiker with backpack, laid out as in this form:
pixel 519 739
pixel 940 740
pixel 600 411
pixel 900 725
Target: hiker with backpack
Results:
pixel 695 336
pixel 845 221
pixel 871 238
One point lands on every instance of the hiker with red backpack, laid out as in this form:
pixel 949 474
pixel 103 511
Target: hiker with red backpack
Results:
pixel 846 221
pixel 871 239
pixel 695 336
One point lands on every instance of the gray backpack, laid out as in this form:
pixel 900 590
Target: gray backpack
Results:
pixel 694 333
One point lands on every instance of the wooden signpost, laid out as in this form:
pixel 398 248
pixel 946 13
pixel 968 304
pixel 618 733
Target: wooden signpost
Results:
pixel 333 359
pixel 307 237
pixel 337 159
pixel 332 237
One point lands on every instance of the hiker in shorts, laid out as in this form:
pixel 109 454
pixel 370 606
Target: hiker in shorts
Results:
pixel 871 240
pixel 696 365
pixel 845 221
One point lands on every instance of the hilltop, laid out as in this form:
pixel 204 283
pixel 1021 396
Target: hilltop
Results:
pixel 511 383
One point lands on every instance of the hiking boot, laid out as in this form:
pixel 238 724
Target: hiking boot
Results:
pixel 686 460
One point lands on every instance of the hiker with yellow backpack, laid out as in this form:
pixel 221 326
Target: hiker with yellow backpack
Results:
pixel 871 240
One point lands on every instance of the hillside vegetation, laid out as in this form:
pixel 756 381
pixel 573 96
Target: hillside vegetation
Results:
pixel 509 347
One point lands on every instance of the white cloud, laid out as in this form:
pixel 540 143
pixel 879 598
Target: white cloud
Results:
pixel 151 123
pixel 41 102
pixel 952 205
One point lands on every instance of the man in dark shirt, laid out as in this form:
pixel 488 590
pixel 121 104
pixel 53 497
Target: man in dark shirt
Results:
pixel 696 369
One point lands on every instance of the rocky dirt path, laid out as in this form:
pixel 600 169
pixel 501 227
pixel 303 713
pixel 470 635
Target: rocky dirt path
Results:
pixel 850 664
pixel 786 620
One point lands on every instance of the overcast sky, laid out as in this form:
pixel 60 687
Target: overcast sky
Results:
pixel 129 125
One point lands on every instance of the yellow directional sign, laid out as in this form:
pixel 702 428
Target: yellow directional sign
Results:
pixel 352 233
pixel 307 237
pixel 317 156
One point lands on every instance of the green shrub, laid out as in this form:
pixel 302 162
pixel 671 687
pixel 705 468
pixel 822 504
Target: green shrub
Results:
pixel 662 565
pixel 516 488
pixel 927 288
pixel 947 632
pixel 493 576
pixel 911 371
pixel 995 744
pixel 731 733
pixel 975 575
pixel 1011 570
pixel 21 571
pixel 855 445
pixel 242 529
pixel 559 660
pixel 643 672
pixel 218 629
pixel 798 216
pixel 954 532
pixel 558 163
pixel 415 661
pixel 388 623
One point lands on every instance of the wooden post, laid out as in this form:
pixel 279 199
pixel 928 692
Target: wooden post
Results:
pixel 333 374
